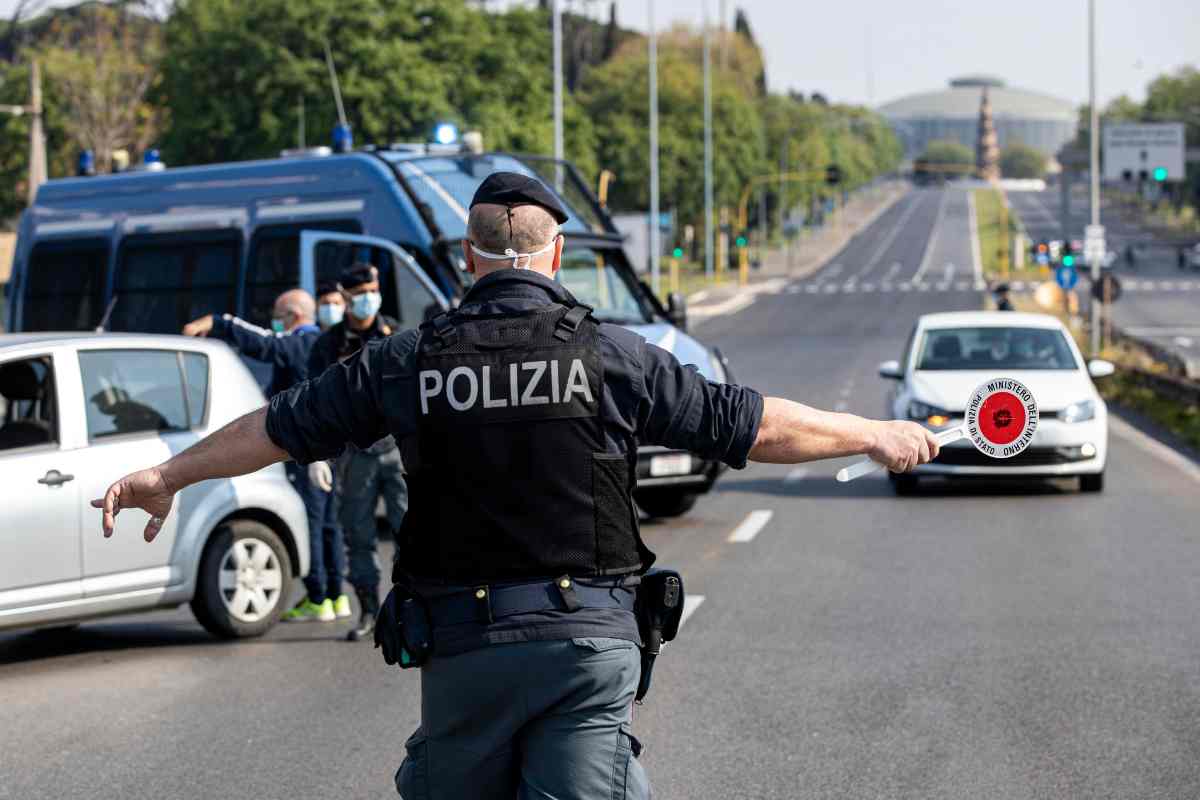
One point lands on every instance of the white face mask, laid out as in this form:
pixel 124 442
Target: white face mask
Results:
pixel 330 314
pixel 514 255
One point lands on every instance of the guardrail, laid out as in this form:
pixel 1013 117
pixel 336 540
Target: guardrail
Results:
pixel 1179 390
pixel 1177 362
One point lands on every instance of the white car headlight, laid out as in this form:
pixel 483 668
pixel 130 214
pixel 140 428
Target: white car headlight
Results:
pixel 1078 412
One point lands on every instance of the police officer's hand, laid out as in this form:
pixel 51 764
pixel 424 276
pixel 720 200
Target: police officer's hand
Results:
pixel 145 489
pixel 321 475
pixel 199 327
pixel 900 446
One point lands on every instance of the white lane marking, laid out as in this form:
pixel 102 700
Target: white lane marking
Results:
pixel 795 289
pixel 1017 286
pixel 892 270
pixel 812 288
pixel 933 235
pixel 906 287
pixel 690 603
pixel 944 286
pixel 976 257
pixel 754 522
pixel 796 474
pixel 962 286
pixel 891 237
pixel 830 288
pixel 834 270
pixel 1181 463
pixel 868 287
pixel 1160 330
pixel 980 286
pixel 949 272
pixel 887 287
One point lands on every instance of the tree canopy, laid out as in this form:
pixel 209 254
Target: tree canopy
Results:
pixel 1022 161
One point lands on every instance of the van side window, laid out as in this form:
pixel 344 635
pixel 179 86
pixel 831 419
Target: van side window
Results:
pixel 64 285
pixel 128 391
pixel 27 404
pixel 165 281
pixel 275 263
pixel 405 298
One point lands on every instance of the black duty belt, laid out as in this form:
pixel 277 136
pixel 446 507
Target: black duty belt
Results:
pixel 485 604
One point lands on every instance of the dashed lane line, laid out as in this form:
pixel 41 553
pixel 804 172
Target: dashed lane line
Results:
pixel 754 522
pixel 690 603
pixel 797 474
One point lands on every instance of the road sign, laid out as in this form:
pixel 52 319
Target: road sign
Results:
pixel 1000 420
pixel 1107 289
pixel 1043 259
pixel 1144 151
pixel 1094 244
pixel 1066 277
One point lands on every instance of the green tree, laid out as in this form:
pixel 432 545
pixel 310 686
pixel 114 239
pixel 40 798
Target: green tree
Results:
pixel 945 152
pixel 1022 161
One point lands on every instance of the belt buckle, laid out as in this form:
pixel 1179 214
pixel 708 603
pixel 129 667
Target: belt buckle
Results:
pixel 483 604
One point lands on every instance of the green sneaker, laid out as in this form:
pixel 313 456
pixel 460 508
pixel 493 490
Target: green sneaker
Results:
pixel 308 611
pixel 341 606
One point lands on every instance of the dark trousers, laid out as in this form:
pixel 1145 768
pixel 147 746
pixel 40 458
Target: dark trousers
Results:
pixel 327 551
pixel 527 721
pixel 365 478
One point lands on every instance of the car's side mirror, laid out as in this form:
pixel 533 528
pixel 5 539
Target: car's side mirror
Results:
pixel 1099 368
pixel 891 370
pixel 677 310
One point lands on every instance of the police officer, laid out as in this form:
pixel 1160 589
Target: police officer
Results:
pixel 287 347
pixel 519 416
pixel 368 473
pixel 1000 293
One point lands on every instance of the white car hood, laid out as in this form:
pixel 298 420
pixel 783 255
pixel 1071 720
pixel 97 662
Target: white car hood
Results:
pixel 950 389
pixel 678 344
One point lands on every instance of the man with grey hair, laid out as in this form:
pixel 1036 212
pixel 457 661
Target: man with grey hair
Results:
pixel 520 557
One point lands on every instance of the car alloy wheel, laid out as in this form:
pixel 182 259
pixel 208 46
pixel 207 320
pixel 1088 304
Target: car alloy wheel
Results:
pixel 250 580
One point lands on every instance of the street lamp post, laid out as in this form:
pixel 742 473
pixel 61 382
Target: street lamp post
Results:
pixel 655 228
pixel 556 12
pixel 1094 158
pixel 708 150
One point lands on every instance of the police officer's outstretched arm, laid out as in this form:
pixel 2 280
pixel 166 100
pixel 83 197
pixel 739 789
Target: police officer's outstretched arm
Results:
pixel 735 424
pixel 311 421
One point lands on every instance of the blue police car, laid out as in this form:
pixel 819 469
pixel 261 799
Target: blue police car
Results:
pixel 151 249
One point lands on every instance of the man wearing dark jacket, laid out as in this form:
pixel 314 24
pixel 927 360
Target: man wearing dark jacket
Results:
pixel 287 347
pixel 363 475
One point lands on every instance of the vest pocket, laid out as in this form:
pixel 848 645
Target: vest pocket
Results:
pixel 616 537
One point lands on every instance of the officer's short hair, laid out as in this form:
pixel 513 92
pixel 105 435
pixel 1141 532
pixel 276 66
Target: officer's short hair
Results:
pixel 532 227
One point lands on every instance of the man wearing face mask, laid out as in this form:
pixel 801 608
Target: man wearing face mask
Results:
pixel 363 475
pixel 287 347
pixel 331 305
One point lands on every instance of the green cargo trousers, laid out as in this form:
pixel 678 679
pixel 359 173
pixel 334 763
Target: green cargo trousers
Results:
pixel 527 721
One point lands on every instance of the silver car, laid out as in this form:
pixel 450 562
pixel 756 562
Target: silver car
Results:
pixel 78 411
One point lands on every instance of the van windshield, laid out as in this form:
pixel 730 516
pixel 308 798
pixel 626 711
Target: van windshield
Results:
pixel 594 281
pixel 446 185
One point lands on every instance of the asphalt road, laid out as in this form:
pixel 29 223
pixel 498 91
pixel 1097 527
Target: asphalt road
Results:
pixel 1159 302
pixel 972 641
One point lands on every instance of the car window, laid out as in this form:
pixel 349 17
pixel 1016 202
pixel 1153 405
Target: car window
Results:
pixel 274 265
pixel 588 275
pixel 64 286
pixel 995 348
pixel 128 391
pixel 27 404
pixel 164 282
pixel 195 380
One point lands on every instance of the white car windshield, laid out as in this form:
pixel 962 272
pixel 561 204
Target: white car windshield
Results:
pixel 592 280
pixel 990 348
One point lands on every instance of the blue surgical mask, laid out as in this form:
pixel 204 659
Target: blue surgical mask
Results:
pixel 330 314
pixel 277 325
pixel 365 305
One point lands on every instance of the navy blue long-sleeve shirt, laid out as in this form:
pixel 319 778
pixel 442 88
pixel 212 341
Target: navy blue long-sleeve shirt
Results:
pixel 648 397
pixel 287 352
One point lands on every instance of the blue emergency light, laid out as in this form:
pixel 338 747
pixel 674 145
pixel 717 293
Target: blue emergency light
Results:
pixel 151 156
pixel 445 133
pixel 86 164
pixel 343 139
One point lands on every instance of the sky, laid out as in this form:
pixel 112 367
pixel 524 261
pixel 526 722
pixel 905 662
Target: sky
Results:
pixel 873 51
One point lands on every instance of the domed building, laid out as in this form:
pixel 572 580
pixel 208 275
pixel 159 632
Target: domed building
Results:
pixel 1032 118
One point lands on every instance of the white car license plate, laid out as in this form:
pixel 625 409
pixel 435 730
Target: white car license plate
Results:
pixel 673 464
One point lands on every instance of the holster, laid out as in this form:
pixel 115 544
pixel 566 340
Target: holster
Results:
pixel 403 629
pixel 659 609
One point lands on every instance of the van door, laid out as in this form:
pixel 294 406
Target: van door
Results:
pixel 39 545
pixel 409 296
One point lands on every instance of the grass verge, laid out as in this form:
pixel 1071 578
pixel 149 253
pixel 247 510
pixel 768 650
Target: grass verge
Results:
pixel 996 224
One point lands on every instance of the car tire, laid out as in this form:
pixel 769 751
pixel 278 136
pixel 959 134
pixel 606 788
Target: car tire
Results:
pixel 1092 483
pixel 666 502
pixel 903 484
pixel 244 580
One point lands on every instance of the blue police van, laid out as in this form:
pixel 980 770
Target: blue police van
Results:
pixel 151 249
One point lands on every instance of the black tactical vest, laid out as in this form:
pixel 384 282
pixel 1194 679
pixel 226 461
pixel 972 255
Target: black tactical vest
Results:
pixel 508 474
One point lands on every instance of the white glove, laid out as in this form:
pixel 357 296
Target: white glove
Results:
pixel 320 475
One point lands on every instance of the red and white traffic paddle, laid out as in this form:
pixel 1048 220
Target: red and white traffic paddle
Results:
pixel 1000 420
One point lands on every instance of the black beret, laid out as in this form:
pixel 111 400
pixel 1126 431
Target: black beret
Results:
pixel 357 274
pixel 1000 287
pixel 513 189
pixel 326 287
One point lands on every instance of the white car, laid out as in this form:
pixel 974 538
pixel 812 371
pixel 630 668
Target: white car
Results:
pixel 948 355
pixel 78 411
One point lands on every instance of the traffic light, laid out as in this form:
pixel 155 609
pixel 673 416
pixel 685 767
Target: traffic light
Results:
pixel 1160 174
pixel 833 175
pixel 740 242
pixel 677 252
pixel 1068 260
